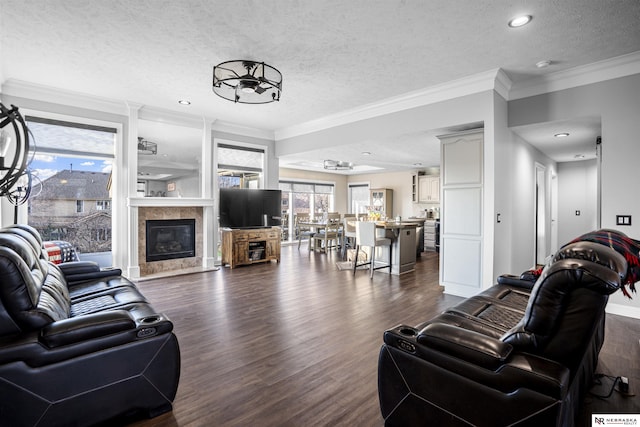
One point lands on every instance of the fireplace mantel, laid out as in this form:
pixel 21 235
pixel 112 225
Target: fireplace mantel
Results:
pixel 169 202
pixel 143 208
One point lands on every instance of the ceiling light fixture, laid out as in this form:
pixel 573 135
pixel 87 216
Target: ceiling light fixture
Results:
pixel 543 64
pixel 247 82
pixel 561 135
pixel 184 102
pixel 147 148
pixel 519 21
pixel 336 165
pixel 366 153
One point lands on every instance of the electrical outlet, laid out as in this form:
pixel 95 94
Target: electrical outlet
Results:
pixel 623 385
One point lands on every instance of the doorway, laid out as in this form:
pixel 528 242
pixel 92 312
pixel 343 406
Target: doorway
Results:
pixel 541 215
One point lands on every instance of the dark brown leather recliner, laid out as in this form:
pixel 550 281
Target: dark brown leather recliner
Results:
pixel 78 345
pixel 517 354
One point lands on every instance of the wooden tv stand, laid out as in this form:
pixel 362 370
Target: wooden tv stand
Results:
pixel 244 246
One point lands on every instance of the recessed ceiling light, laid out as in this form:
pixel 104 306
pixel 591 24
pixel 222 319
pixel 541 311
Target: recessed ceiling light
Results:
pixel 579 156
pixel 417 164
pixel 561 135
pixel 543 64
pixel 184 102
pixel 519 21
pixel 366 153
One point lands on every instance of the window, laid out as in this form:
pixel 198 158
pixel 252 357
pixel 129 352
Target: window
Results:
pixel 240 167
pixel 323 199
pixel 73 161
pixel 358 198
pixel 305 197
pixel 103 205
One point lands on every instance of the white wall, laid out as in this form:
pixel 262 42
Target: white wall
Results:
pixel 617 102
pixel 522 194
pixel 399 182
pixel 504 245
pixel 577 191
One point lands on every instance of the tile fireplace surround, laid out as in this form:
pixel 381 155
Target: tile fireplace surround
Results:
pixel 166 212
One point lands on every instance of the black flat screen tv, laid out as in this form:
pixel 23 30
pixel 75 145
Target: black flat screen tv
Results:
pixel 249 208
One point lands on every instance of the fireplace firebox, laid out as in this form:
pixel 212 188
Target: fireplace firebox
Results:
pixel 170 239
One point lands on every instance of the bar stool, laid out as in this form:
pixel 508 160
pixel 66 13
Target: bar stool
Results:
pixel 366 236
pixel 348 233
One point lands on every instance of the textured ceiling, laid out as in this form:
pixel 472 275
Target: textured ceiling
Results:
pixel 334 55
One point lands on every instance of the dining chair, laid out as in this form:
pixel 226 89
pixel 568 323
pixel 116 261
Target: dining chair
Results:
pixel 303 231
pixel 329 234
pixel 366 236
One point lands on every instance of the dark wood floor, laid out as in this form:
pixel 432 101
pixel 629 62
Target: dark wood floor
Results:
pixel 296 343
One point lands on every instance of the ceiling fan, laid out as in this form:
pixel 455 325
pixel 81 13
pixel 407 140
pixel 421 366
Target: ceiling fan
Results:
pixel 247 82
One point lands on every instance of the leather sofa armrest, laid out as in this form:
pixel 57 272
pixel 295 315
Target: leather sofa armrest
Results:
pixel 465 344
pixel 80 271
pixel 77 267
pixel 83 328
pixel 510 279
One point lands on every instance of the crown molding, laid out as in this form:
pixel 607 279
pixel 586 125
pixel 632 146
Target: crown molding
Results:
pixel 177 118
pixel 22 89
pixel 620 66
pixel 454 89
pixel 236 129
pixel 503 84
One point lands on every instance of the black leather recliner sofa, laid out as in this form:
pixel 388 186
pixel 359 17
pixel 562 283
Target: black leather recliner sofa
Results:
pixel 78 345
pixel 521 353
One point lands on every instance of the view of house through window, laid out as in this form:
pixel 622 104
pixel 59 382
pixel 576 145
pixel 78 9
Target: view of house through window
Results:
pixel 73 162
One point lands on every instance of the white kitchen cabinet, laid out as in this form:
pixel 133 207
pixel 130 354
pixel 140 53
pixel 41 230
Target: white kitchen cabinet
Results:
pixel 428 189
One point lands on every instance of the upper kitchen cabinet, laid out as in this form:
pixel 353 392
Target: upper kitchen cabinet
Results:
pixel 428 189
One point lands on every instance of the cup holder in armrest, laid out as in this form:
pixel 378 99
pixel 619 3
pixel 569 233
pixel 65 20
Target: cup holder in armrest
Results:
pixel 153 325
pixel 407 331
pixel 149 319
pixel 402 337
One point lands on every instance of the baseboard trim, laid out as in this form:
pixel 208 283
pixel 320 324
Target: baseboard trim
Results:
pixel 623 310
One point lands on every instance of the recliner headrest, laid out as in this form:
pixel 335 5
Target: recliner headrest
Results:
pixel 595 253
pixel 583 265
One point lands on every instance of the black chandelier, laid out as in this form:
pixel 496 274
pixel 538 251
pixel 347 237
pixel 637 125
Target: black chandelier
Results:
pixel 147 148
pixel 247 82
pixel 22 190
pixel 14 148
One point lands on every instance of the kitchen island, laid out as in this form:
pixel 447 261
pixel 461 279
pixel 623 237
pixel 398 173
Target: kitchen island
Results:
pixel 403 245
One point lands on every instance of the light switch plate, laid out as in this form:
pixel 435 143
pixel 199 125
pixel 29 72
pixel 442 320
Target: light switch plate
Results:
pixel 623 219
